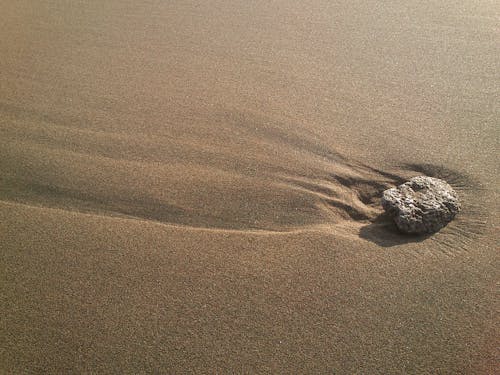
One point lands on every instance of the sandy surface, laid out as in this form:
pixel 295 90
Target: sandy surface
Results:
pixel 194 186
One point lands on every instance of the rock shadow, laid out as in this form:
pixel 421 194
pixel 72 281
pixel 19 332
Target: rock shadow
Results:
pixel 383 232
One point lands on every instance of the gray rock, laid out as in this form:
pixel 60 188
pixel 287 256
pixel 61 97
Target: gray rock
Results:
pixel 421 205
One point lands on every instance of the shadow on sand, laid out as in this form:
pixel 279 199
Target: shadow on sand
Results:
pixel 383 232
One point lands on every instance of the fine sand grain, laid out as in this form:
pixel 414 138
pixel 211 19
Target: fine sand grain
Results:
pixel 194 186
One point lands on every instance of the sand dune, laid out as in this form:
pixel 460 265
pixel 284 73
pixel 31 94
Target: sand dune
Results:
pixel 194 187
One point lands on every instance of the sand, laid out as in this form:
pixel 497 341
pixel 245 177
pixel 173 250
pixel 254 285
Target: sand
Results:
pixel 194 186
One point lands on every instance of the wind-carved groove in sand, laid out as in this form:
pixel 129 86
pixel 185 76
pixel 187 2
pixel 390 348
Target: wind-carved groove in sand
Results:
pixel 50 196
pixel 343 197
pixel 302 202
pixel 336 203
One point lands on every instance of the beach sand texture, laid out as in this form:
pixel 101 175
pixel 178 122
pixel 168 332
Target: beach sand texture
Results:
pixel 194 186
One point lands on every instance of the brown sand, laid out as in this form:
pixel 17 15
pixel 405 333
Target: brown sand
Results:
pixel 193 186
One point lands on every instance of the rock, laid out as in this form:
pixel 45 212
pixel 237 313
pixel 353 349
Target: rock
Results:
pixel 421 205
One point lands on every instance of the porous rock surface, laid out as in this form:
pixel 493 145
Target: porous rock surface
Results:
pixel 421 205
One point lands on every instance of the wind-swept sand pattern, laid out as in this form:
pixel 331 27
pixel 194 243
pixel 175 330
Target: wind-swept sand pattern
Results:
pixel 195 186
